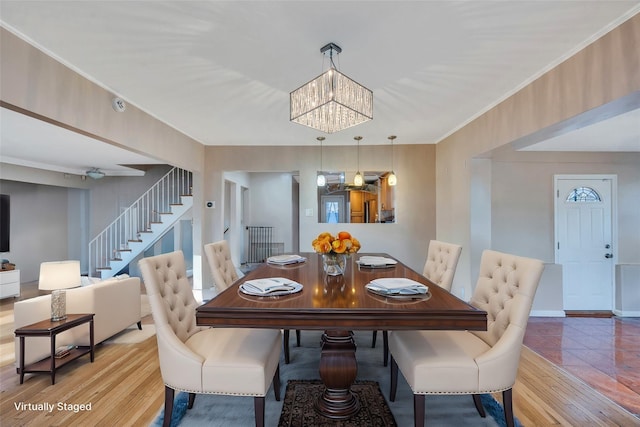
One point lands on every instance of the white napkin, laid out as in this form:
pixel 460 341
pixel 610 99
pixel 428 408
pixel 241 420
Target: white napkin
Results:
pixel 376 260
pixel 397 285
pixel 268 285
pixel 285 259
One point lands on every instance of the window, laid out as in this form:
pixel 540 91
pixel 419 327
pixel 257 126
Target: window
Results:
pixel 583 194
pixel 332 212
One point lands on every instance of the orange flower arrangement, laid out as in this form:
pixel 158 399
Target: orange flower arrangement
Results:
pixel 343 243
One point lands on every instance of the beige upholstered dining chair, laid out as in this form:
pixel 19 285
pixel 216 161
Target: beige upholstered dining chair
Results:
pixel 224 274
pixel 440 267
pixel 195 359
pixel 442 259
pixel 472 362
pixel 222 269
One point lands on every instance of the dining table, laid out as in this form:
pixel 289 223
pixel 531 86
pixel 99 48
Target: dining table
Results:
pixel 339 305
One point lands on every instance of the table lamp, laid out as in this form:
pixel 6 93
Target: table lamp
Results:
pixel 56 276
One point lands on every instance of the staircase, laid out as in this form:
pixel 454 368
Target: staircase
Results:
pixel 141 224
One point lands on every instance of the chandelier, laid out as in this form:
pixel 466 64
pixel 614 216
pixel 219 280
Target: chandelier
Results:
pixel 332 101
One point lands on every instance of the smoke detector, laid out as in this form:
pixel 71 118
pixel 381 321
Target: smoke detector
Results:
pixel 118 104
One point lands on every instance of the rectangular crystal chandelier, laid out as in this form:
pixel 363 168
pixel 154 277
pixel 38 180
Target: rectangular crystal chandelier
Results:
pixel 332 101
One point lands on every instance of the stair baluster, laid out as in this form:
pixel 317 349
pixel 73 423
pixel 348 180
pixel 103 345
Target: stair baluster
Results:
pixel 140 224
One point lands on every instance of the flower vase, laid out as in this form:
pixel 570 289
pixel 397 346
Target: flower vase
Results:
pixel 334 264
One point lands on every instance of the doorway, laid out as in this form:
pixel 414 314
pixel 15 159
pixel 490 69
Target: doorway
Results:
pixel 332 209
pixel 586 240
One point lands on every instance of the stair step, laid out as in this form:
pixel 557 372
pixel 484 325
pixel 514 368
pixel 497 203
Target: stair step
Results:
pixel 151 216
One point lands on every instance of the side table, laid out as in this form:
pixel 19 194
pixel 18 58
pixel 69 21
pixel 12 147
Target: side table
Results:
pixel 49 328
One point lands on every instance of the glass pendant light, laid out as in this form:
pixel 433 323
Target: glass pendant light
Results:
pixel 392 179
pixel 358 180
pixel 321 180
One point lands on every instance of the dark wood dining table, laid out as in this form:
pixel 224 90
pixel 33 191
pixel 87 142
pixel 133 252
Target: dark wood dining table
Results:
pixel 338 305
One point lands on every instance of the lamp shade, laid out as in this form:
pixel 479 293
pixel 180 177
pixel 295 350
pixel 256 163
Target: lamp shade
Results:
pixel 59 275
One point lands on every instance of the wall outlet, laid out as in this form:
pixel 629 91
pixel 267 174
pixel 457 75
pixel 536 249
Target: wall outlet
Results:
pixel 308 212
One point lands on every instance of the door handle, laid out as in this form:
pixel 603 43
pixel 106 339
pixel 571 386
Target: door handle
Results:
pixel 608 255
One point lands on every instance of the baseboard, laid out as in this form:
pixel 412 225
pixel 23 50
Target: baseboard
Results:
pixel 561 313
pixel 589 313
pixel 626 313
pixel 547 313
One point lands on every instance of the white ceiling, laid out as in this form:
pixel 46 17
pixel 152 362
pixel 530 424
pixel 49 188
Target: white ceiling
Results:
pixel 620 133
pixel 35 143
pixel 221 71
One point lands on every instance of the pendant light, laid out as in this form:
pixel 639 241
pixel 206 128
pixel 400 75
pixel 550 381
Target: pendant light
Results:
pixel 321 180
pixel 392 179
pixel 358 180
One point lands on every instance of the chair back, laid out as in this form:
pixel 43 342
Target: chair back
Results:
pixel 222 269
pixel 505 290
pixel 442 259
pixel 170 296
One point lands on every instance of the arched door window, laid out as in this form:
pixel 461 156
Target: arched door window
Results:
pixel 583 194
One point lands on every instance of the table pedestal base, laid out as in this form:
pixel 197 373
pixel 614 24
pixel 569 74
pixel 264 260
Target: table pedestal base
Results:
pixel 338 369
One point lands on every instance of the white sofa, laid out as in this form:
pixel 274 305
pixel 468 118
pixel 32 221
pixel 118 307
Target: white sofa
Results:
pixel 115 303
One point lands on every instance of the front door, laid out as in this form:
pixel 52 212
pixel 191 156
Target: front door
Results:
pixel 584 242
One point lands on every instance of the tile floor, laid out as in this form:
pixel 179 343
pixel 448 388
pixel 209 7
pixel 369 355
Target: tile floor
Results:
pixel 602 352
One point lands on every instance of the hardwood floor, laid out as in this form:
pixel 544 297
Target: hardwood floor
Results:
pixel 123 384
pixel 602 352
pixel 124 388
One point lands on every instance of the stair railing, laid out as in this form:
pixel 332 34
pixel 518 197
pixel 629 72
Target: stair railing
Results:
pixel 115 239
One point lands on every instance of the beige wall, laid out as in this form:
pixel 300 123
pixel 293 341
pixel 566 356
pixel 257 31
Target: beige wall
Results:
pixel 604 71
pixel 522 193
pixel 271 204
pixel 415 196
pixel 522 213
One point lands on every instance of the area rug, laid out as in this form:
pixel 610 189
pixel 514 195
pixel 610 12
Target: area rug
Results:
pixel 226 411
pixel 300 396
